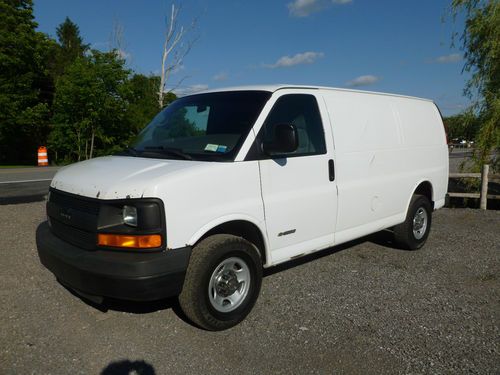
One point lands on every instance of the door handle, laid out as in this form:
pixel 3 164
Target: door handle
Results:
pixel 331 170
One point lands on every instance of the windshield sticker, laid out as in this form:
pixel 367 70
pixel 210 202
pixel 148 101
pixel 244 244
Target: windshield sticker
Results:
pixel 211 147
pixel 215 148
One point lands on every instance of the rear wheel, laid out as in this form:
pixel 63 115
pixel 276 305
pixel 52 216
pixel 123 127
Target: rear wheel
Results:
pixel 413 232
pixel 222 282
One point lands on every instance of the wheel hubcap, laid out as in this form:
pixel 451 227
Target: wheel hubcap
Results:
pixel 229 284
pixel 226 283
pixel 420 223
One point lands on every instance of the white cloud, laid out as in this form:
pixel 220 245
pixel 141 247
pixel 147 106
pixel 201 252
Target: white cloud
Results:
pixel 298 59
pixel 303 8
pixel 222 76
pixel 189 90
pixel 447 59
pixel 363 81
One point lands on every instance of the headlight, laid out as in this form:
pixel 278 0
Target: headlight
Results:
pixel 129 215
pixel 132 224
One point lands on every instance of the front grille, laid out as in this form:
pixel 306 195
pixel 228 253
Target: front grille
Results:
pixel 73 218
pixel 88 205
pixel 78 237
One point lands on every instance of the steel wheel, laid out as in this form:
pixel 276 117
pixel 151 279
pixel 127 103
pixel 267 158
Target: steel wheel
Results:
pixel 222 281
pixel 420 223
pixel 229 284
pixel 413 232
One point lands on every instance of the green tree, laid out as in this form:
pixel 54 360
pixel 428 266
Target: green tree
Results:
pixel 480 42
pixel 463 126
pixel 143 101
pixel 90 106
pixel 70 46
pixel 25 83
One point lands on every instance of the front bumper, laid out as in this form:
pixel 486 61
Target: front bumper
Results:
pixel 121 275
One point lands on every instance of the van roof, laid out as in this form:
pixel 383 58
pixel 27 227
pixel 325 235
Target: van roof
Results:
pixel 276 87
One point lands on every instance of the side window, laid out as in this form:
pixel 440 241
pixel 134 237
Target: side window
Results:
pixel 302 111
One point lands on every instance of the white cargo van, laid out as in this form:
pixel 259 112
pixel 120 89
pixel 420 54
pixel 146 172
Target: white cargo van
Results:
pixel 223 183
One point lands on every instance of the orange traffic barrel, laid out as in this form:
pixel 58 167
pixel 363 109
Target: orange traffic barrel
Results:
pixel 43 159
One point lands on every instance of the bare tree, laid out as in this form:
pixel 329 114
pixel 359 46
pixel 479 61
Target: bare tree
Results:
pixel 117 40
pixel 175 48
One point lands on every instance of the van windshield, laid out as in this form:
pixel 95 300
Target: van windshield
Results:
pixel 201 127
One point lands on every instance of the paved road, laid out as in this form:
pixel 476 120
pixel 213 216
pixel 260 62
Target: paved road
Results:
pixel 363 308
pixel 22 185
pixel 459 157
pixel 23 174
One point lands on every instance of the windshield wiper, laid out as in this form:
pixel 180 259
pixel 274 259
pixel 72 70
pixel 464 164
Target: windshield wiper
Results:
pixel 168 151
pixel 129 151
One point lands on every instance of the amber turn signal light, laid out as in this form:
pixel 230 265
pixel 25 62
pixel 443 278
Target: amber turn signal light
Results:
pixel 129 241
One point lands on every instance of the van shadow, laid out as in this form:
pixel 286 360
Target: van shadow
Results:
pixel 383 238
pixel 132 307
pixel 126 367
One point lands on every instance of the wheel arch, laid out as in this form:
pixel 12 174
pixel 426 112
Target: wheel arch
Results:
pixel 237 226
pixel 423 187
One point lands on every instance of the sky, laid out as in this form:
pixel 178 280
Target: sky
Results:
pixel 396 46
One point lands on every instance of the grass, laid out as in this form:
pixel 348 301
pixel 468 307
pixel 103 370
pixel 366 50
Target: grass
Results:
pixel 16 166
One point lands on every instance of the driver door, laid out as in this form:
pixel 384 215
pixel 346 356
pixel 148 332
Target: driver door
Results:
pixel 299 195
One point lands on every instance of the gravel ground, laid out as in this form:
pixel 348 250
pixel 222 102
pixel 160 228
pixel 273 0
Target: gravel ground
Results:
pixel 361 308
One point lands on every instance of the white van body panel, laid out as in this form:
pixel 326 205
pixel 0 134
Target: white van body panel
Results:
pixel 297 194
pixel 119 177
pixel 221 192
pixel 383 146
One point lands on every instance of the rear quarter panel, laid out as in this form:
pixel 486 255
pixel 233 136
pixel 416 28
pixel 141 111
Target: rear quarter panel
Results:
pixel 424 138
pixel 385 146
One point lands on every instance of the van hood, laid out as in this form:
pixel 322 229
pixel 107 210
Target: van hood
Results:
pixel 119 177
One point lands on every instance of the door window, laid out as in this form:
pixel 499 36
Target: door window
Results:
pixel 302 111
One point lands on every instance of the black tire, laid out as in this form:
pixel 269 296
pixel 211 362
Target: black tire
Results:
pixel 404 233
pixel 206 259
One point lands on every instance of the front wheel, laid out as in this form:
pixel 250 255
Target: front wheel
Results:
pixel 413 232
pixel 222 282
